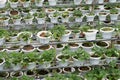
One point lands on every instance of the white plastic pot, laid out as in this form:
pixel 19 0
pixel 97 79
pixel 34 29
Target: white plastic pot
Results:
pixel 39 3
pixel 17 21
pixel 2 40
pixel 83 71
pixel 29 21
pixel 78 19
pixel 52 2
pixel 77 2
pixel 95 60
pixel 2 64
pixel 107 34
pixel 10 51
pixel 54 19
pixel 110 59
pixel 6 21
pixel 40 20
pixel 13 4
pixel 58 50
pixel 77 62
pixel 26 3
pixel 43 40
pixel 71 70
pixel 117 46
pixel 2 5
pixel 16 67
pixel 65 20
pixel 112 1
pixel 28 51
pixel 45 65
pixel 89 1
pixel 102 17
pixel 114 16
pixel 61 63
pixel 74 48
pixel 87 49
pixel 40 50
pixel 12 74
pixel 31 65
pixel 104 46
pixel 90 17
pixel 65 37
pixel 100 1
pixel 90 35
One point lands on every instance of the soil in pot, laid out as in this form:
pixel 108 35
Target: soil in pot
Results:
pixel 28 47
pixel 107 21
pixel 1 48
pixel 118 42
pixel 55 70
pixel 29 72
pixel 3 19
pixel 87 44
pixel 3 74
pixel 59 45
pixel 95 56
pixel 107 29
pixel 102 13
pixel 84 68
pixel 67 69
pixel 1 60
pixel 73 44
pixel 42 72
pixel 63 57
pixel 14 48
pixel 101 44
pixel 44 47
pixel 16 74
pixel 43 34
pixel 14 12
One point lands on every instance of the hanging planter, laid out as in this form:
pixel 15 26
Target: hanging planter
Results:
pixel 65 17
pixel 107 32
pixel 28 18
pixel 74 46
pixel 77 2
pixel 104 44
pixel 41 17
pixel 44 37
pixel 52 2
pixel 68 70
pixel 28 48
pixel 25 3
pixel 13 49
pixel 39 3
pixel 102 16
pixel 87 46
pixel 13 3
pixel 114 14
pixel 44 48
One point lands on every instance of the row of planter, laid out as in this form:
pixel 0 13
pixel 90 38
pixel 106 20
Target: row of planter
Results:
pixel 59 33
pixel 65 16
pixel 39 3
pixel 74 73
pixel 62 58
